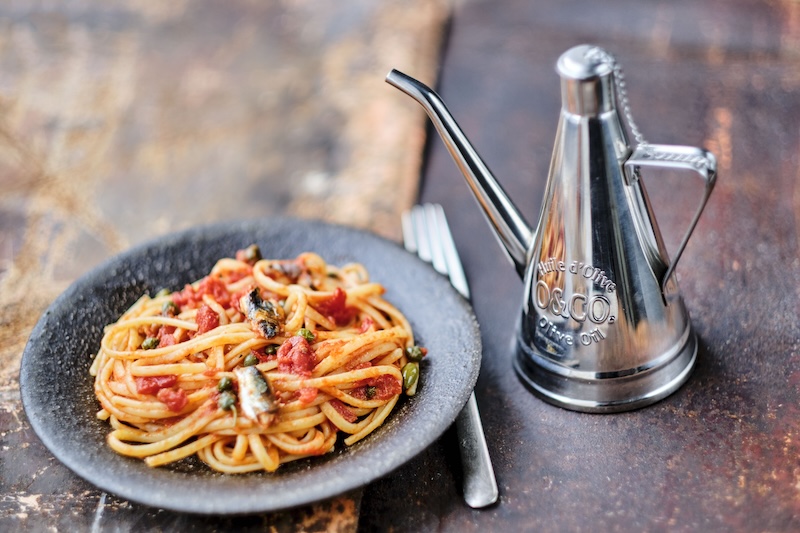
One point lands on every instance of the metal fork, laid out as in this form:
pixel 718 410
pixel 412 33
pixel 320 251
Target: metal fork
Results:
pixel 427 234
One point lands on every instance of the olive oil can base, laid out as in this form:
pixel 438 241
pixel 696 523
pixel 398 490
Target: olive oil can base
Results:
pixel 607 395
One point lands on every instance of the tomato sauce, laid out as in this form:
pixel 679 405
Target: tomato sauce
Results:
pixel 378 388
pixel 343 410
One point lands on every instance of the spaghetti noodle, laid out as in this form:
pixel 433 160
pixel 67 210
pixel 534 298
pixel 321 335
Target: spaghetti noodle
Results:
pixel 261 362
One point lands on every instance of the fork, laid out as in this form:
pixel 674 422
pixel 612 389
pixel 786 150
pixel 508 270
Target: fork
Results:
pixel 427 234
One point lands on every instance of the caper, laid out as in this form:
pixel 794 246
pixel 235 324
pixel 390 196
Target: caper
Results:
pixel 149 343
pixel 226 400
pixel 170 308
pixel 415 353
pixel 306 334
pixel 250 359
pixel 225 383
pixel 271 349
pixel 252 254
pixel 410 377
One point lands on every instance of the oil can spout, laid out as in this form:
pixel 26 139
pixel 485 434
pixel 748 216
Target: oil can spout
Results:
pixel 509 226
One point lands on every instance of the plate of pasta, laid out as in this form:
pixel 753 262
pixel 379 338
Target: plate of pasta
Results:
pixel 249 366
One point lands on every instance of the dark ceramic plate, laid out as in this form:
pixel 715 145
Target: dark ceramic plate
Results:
pixel 57 391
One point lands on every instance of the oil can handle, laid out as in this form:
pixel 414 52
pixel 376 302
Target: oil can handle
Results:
pixel 700 161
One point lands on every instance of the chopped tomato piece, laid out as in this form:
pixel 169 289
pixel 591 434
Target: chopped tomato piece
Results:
pixel 207 319
pixel 215 287
pixel 295 356
pixel 165 336
pixel 153 384
pixel 166 340
pixel 175 399
pixel 335 308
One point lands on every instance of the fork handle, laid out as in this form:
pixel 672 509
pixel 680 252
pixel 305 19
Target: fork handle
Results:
pixel 480 485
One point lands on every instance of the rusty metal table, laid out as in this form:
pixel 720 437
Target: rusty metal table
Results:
pixel 721 454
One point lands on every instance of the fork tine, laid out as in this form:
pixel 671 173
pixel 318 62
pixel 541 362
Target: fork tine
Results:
pixel 421 233
pixel 434 231
pixel 450 254
pixel 427 234
pixel 409 239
